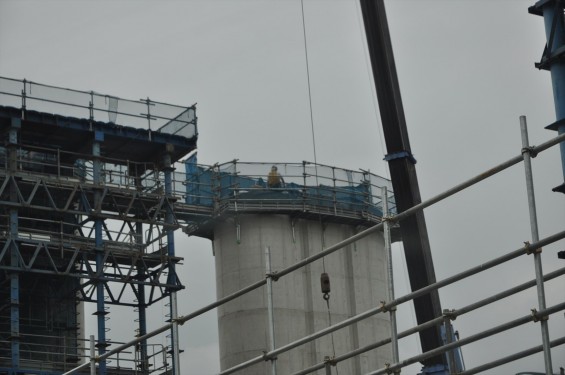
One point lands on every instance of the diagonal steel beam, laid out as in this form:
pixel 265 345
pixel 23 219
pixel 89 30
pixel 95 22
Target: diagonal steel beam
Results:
pixel 403 172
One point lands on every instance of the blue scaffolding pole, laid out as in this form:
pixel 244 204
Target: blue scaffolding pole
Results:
pixel 142 313
pixel 99 248
pixel 172 277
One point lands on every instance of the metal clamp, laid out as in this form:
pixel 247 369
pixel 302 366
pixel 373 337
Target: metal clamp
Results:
pixel 531 251
pixel 449 314
pixel 330 360
pixel 387 309
pixel 267 357
pixel 273 276
pixel 536 317
pixel 179 320
pixel 389 218
pixel 389 371
pixel 530 150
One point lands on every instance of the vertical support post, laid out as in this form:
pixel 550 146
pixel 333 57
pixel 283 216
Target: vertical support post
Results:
pixel 172 278
pixel 535 238
pixel 305 190
pixel 24 96
pixel 388 250
pixel 99 248
pixel 448 340
pixel 92 356
pixel 14 258
pixel 554 61
pixel 148 102
pixel 141 302
pixel 270 311
pixel 328 366
pixel 334 192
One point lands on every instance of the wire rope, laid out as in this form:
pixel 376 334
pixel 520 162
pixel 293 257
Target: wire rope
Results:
pixel 374 100
pixel 309 90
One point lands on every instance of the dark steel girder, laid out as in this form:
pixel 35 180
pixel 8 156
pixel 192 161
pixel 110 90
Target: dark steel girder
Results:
pixel 403 172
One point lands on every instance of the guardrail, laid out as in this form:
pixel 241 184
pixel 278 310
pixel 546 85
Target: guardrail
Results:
pixel 142 113
pixel 235 185
pixel 308 186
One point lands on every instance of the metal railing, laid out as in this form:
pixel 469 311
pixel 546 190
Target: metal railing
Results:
pixel 306 186
pixel 52 353
pixel 142 113
pixel 536 315
pixel 235 185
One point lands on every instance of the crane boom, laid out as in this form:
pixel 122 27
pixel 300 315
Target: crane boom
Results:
pixel 403 172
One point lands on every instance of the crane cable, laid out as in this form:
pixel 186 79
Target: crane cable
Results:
pixel 309 91
pixel 326 296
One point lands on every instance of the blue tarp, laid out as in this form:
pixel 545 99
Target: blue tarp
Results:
pixel 203 185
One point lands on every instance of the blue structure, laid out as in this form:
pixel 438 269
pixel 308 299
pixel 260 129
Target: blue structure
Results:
pixel 553 59
pixel 83 211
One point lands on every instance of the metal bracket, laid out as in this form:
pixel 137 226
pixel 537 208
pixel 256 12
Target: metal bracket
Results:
pixel 273 276
pixel 389 218
pixel 450 314
pixel 530 150
pixel 267 357
pixel 387 309
pixel 330 360
pixel 389 371
pixel 536 317
pixel 529 251
pixel 400 155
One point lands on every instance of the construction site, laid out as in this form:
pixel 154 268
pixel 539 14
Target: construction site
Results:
pixel 96 190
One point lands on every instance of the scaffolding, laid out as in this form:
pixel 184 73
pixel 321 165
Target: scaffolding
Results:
pixel 540 314
pixel 86 211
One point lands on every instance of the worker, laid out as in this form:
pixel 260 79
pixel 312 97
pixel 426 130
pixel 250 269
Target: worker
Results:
pixel 275 180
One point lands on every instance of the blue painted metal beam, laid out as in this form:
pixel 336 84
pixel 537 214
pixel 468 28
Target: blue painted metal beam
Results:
pixel 142 313
pixel 553 59
pixel 99 248
pixel 172 276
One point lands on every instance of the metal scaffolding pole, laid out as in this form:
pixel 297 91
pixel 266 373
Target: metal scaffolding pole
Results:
pixel 92 356
pixel 388 250
pixel 544 242
pixel 270 311
pixel 535 237
pixel 523 250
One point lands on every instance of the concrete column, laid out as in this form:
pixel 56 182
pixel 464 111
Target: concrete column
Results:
pixel 358 283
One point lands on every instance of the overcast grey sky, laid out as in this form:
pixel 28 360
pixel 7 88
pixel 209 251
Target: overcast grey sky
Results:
pixel 466 70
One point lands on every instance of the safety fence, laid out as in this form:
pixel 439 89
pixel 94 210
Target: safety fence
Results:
pixel 539 315
pixel 241 186
pixel 49 354
pixel 234 185
pixel 142 113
